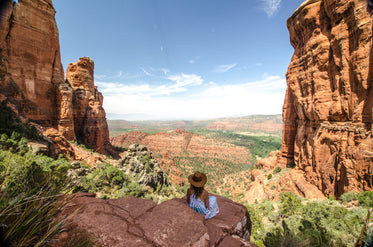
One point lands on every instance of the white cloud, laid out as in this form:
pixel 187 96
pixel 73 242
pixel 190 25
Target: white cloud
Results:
pixel 224 68
pixel 271 6
pixel 179 83
pixel 213 100
pixel 185 80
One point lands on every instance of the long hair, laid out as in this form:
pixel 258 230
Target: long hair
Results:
pixel 197 191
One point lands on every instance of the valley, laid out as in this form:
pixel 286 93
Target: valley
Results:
pixel 225 149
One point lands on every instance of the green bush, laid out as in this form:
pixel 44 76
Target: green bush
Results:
pixel 290 204
pixel 283 236
pixel 366 199
pixel 257 230
pixel 291 164
pixel 30 185
pixel 30 172
pixel 349 197
pixel 277 170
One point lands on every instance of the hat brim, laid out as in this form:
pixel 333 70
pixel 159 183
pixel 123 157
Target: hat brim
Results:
pixel 195 183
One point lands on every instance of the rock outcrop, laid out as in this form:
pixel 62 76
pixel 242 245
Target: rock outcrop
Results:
pixel 328 106
pixel 88 114
pixel 32 77
pixel 138 161
pixel 132 221
pixel 270 181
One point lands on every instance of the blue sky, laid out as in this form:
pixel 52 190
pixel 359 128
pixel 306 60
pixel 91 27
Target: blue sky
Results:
pixel 181 59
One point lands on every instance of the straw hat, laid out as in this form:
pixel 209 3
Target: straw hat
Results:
pixel 197 179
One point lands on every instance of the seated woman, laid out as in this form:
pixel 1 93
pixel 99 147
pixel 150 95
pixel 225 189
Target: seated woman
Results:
pixel 198 198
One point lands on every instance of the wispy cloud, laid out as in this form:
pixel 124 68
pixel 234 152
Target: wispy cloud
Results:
pixel 224 68
pixel 172 84
pixel 271 6
pixel 165 71
pixel 146 72
pixel 265 96
pixel 194 60
pixel 183 80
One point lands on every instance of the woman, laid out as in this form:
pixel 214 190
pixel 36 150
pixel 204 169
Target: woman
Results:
pixel 198 198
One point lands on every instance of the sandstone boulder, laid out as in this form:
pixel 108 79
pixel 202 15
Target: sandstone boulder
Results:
pixel 132 221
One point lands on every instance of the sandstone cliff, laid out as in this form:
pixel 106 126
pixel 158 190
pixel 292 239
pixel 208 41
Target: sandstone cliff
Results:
pixel 32 77
pixel 328 106
pixel 88 114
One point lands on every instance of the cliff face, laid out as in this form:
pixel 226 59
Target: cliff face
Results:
pixel 328 106
pixel 32 77
pixel 89 116
pixel 30 46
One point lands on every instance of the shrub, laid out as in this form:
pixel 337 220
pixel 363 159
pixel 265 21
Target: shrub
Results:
pixel 257 230
pixel 349 197
pixel 291 164
pixel 30 187
pixel 366 199
pixel 283 236
pixel 277 170
pixel 290 204
pixel 269 176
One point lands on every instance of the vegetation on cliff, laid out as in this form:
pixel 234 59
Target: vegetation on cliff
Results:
pixel 31 185
pixel 295 221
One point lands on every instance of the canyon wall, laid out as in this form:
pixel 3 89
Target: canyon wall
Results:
pixel 328 105
pixel 32 78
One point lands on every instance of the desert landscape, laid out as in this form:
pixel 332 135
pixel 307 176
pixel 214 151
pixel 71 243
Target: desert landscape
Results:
pixel 70 177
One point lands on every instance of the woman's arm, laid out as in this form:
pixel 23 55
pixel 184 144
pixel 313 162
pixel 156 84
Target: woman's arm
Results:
pixel 189 193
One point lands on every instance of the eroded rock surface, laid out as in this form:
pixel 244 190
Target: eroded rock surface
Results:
pixel 132 221
pixel 89 116
pixel 138 161
pixel 328 106
pixel 32 78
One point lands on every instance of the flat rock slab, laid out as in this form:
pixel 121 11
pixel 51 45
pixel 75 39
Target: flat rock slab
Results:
pixel 133 221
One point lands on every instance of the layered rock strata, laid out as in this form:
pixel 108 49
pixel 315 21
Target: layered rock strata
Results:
pixel 133 221
pixel 32 77
pixel 328 106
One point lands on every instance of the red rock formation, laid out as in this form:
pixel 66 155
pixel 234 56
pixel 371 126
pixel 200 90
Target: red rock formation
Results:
pixel 328 106
pixel 89 116
pixel 32 50
pixel 269 183
pixel 32 77
pixel 132 221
